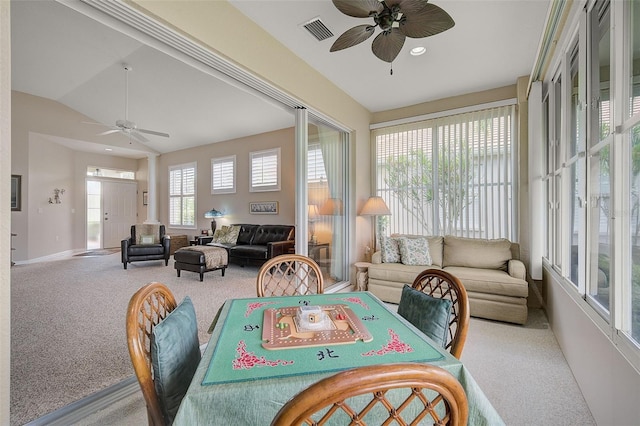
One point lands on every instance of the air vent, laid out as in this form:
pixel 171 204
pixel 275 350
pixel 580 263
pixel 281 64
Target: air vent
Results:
pixel 318 29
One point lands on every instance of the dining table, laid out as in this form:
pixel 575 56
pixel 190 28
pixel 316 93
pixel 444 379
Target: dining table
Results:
pixel 263 351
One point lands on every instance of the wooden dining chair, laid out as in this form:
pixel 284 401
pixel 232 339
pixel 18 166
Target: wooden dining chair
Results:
pixel 289 275
pixel 428 392
pixel 440 284
pixel 147 307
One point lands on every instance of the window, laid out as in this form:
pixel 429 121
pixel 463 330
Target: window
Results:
pixel 450 175
pixel 182 195
pixel 265 170
pixel 315 164
pixel 223 175
pixel 598 137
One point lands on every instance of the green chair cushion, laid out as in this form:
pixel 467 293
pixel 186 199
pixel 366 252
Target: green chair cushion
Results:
pixel 175 354
pixel 428 314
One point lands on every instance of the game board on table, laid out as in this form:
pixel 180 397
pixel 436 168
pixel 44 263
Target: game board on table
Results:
pixel 289 327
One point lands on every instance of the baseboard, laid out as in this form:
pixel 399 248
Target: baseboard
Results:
pixel 48 258
pixel 88 405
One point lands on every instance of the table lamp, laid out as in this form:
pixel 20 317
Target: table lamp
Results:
pixel 313 217
pixel 212 214
pixel 375 206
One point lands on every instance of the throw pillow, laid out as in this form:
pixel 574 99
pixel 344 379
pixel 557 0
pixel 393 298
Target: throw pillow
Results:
pixel 389 250
pixel 428 314
pixel 414 251
pixel 146 239
pixel 221 234
pixel 231 236
pixel 175 355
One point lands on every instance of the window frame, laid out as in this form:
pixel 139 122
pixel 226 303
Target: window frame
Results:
pixel 182 195
pixel 265 186
pixel 230 159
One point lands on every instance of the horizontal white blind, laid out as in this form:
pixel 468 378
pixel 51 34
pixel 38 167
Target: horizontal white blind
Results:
pixel 449 176
pixel 265 172
pixel 223 175
pixel 182 195
pixel 315 164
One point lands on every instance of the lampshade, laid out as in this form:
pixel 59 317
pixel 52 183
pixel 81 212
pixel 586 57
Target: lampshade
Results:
pixel 213 213
pixel 331 207
pixel 313 212
pixel 375 206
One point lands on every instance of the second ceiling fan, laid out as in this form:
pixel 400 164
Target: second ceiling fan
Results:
pixel 126 126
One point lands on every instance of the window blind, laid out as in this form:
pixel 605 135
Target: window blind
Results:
pixel 449 175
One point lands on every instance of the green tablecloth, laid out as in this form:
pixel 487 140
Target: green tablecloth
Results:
pixel 251 394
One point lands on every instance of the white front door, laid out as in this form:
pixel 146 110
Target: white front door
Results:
pixel 119 211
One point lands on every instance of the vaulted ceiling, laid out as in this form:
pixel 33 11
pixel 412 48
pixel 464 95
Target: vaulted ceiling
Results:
pixel 60 54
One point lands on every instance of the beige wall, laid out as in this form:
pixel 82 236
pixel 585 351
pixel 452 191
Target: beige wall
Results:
pixel 44 165
pixel 236 205
pixel 5 209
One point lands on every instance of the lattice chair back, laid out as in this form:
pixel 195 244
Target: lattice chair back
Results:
pixel 441 284
pixel 289 275
pixel 147 307
pixel 401 394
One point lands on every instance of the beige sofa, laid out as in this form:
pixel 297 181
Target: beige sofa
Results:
pixel 493 275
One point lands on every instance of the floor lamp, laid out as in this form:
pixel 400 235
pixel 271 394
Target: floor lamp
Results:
pixel 375 206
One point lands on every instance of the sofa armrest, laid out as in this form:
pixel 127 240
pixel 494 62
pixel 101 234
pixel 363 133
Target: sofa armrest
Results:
pixel 124 249
pixel 276 248
pixel 516 269
pixel 166 244
pixel 376 257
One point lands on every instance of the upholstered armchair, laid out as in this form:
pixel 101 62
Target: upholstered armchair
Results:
pixel 147 242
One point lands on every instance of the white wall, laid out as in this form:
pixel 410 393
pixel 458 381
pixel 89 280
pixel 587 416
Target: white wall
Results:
pixel 609 383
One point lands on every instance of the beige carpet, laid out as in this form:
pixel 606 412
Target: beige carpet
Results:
pixel 68 323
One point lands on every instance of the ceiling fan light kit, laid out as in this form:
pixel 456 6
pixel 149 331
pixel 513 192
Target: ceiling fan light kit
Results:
pixel 397 19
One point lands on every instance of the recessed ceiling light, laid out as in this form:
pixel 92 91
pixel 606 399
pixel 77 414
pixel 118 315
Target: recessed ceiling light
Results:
pixel 108 149
pixel 417 51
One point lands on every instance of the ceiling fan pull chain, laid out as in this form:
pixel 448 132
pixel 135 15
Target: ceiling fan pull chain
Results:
pixel 391 72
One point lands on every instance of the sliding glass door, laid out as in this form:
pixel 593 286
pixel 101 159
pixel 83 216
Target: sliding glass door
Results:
pixel 327 188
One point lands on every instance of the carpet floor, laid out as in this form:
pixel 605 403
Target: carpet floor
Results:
pixel 68 323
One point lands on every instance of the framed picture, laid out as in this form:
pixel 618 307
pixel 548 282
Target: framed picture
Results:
pixel 264 207
pixel 16 193
pixel 145 198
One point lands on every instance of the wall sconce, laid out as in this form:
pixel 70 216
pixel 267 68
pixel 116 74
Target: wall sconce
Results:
pixel 56 196
pixel 212 214
pixel 313 217
pixel 375 206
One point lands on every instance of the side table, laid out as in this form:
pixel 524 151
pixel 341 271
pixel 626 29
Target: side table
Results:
pixel 362 275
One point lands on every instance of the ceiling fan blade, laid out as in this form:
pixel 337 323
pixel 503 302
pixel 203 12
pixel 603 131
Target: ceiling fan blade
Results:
pixel 388 44
pixel 152 132
pixel 134 134
pixel 426 22
pixel 407 6
pixel 108 132
pixel 358 8
pixel 95 123
pixel 352 37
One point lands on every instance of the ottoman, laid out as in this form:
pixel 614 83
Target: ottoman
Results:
pixel 200 259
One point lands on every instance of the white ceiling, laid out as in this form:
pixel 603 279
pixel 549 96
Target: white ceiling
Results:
pixel 60 54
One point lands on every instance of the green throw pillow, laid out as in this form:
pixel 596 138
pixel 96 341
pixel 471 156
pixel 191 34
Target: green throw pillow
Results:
pixel 175 354
pixel 428 314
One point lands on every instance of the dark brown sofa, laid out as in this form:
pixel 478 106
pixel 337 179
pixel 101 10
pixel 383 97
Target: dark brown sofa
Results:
pixel 258 243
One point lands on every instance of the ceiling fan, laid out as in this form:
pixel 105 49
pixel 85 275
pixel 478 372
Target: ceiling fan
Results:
pixel 126 126
pixel 397 19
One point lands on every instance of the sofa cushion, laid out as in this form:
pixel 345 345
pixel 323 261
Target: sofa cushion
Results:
pixel 491 281
pixel 249 251
pixel 246 233
pixel 396 272
pixel 428 314
pixel 389 249
pixel 414 251
pixel 175 355
pixel 476 253
pixel 272 233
